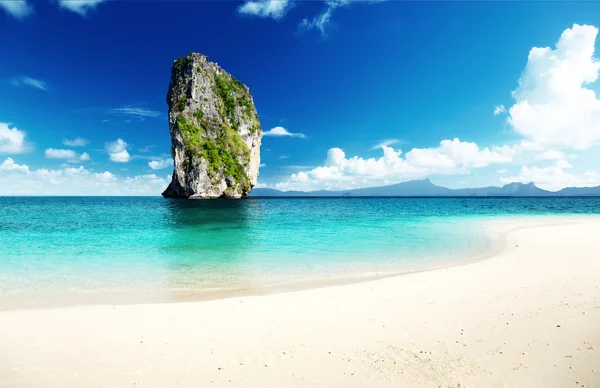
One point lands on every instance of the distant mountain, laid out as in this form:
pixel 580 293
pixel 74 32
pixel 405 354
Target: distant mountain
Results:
pixel 425 188
pixel 580 191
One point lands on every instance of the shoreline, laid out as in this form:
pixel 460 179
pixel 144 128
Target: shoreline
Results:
pixel 497 232
pixel 527 316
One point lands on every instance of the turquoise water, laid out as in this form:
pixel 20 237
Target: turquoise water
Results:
pixel 154 248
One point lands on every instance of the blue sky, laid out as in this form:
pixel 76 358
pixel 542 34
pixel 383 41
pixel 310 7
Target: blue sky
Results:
pixel 373 92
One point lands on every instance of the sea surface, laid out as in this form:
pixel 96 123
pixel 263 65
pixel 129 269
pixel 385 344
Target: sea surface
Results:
pixel 78 250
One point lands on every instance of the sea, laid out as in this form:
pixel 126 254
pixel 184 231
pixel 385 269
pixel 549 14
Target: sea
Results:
pixel 87 250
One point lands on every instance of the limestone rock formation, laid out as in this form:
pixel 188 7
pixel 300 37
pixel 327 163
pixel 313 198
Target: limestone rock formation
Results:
pixel 215 132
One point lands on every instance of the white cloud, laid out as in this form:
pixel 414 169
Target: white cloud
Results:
pixel 384 143
pixel 77 142
pixel 10 165
pixel 79 6
pixel 135 111
pixel 281 132
pixel 323 20
pixel 120 157
pixel 263 165
pixel 52 153
pixel 146 149
pixel 340 172
pixel 319 22
pixel 553 107
pixel 105 176
pixel 20 180
pixel 160 163
pixel 69 155
pixel 17 8
pixel 284 157
pixel 456 153
pixel 12 141
pixel 117 151
pixel 554 177
pixel 550 155
pixel 499 109
pixel 148 183
pixel 274 9
pixel 502 171
pixel 28 81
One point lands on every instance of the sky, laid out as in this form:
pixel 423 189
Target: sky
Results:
pixel 349 93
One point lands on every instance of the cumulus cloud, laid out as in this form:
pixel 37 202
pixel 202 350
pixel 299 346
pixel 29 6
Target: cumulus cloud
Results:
pixel 274 9
pixel 81 7
pixel 282 132
pixel 340 172
pixel 28 81
pixel 160 164
pixel 10 165
pixel 499 109
pixel 554 177
pixel 105 176
pixel 12 141
pixel 69 155
pixel 384 143
pixel 77 142
pixel 117 151
pixel 554 108
pixel 16 8
pixel 456 153
pixel 18 179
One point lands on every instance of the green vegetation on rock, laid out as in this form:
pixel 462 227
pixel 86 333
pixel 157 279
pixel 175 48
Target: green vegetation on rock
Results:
pixel 247 105
pixel 220 153
pixel 181 103
pixel 199 114
pixel 225 89
pixel 190 133
pixel 181 63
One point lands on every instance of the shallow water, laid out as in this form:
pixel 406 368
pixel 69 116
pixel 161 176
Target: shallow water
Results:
pixel 144 247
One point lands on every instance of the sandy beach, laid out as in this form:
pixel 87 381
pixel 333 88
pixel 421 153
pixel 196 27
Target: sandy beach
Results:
pixel 527 317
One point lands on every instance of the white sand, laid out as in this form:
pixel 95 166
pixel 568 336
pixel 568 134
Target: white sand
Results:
pixel 528 317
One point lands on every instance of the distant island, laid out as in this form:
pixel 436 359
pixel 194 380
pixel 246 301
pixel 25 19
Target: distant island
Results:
pixel 425 188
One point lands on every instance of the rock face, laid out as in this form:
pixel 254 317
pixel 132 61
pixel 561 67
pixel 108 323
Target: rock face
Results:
pixel 215 132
